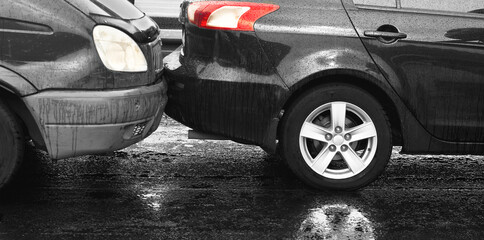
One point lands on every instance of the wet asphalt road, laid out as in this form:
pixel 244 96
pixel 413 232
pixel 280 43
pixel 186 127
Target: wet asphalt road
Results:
pixel 168 187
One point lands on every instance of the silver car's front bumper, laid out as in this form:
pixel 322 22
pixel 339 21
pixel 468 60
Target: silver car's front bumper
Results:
pixel 81 122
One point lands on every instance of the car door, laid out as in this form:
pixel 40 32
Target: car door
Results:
pixel 432 53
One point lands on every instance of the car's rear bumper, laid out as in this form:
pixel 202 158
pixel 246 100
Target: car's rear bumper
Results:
pixel 224 100
pixel 78 122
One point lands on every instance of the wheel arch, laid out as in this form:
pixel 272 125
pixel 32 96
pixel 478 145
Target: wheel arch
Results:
pixel 15 104
pixel 12 88
pixel 364 81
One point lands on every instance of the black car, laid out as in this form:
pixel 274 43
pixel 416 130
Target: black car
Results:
pixel 76 77
pixel 333 85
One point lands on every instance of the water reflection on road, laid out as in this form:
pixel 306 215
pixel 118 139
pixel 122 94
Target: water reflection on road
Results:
pixel 336 221
pixel 217 210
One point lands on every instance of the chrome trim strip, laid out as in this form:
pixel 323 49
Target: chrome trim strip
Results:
pixel 422 11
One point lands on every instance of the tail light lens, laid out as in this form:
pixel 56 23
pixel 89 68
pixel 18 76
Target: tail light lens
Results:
pixel 225 15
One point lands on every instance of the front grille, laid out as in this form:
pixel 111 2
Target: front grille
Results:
pixel 138 129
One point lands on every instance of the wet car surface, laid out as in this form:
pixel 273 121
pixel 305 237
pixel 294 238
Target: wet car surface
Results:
pixel 168 187
pixel 332 86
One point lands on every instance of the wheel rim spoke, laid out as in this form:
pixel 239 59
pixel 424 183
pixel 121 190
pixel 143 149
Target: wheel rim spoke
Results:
pixel 322 161
pixel 313 131
pixel 363 131
pixel 354 162
pixel 338 114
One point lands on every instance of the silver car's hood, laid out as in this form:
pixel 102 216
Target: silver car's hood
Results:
pixel 120 9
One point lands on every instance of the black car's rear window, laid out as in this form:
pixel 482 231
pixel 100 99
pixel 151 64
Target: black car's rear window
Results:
pixel 122 8
pixel 470 6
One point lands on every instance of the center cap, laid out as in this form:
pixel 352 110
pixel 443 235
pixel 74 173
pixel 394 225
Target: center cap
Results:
pixel 338 140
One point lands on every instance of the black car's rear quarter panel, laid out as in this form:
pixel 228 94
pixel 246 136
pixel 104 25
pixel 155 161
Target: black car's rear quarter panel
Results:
pixel 304 40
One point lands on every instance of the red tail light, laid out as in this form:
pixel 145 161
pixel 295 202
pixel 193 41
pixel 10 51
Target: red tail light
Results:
pixel 225 15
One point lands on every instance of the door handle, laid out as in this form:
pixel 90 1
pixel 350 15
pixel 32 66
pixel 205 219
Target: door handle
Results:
pixel 380 34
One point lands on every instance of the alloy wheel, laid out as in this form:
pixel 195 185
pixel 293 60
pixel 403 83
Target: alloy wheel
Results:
pixel 338 140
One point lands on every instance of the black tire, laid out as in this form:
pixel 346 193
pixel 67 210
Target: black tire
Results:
pixel 11 144
pixel 300 151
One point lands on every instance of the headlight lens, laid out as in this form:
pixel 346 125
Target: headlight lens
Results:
pixel 118 51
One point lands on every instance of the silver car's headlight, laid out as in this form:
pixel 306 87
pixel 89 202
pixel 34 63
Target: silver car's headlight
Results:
pixel 118 51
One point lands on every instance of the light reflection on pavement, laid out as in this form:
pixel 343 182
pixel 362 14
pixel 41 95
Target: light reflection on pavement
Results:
pixel 336 221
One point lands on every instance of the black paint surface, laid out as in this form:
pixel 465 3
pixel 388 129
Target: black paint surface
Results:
pixel 429 83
